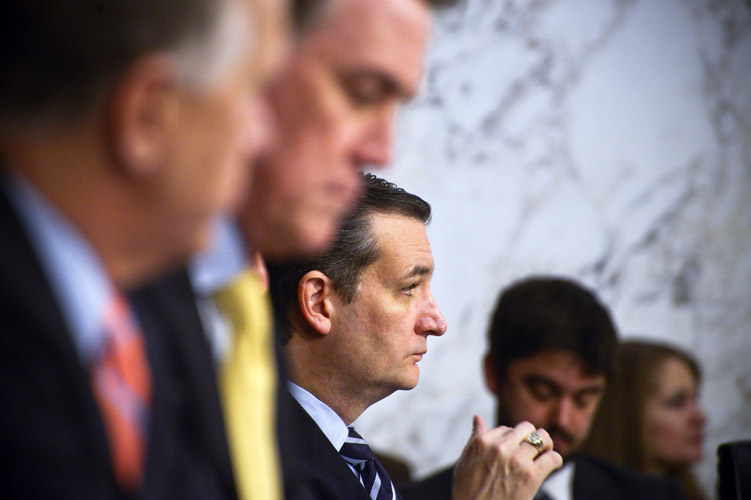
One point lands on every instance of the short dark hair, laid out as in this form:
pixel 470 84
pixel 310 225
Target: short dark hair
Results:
pixel 57 55
pixel 544 313
pixel 306 12
pixel 353 250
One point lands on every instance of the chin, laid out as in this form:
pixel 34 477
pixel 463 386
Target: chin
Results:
pixel 313 235
pixel 410 380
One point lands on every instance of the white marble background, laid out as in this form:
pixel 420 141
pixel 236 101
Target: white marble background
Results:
pixel 606 140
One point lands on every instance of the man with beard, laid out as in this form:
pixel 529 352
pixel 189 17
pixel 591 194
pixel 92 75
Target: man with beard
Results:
pixel 552 349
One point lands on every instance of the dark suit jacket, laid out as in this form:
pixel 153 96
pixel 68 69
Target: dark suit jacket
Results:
pixel 593 480
pixel 52 439
pixel 313 468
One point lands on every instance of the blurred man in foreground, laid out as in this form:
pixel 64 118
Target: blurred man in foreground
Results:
pixel 336 102
pixel 124 128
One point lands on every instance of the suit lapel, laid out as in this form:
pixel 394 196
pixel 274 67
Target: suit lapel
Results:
pixel 589 485
pixel 313 449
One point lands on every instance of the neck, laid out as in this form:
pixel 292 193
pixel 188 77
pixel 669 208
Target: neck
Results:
pixel 318 376
pixel 74 175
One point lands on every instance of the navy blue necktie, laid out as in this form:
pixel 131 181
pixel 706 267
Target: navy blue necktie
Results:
pixel 377 482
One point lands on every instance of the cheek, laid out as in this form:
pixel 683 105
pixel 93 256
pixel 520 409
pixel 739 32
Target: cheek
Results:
pixel 522 406
pixel 662 432
pixel 585 419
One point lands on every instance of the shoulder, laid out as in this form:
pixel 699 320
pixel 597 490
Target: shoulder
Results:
pixel 435 487
pixel 312 468
pixel 603 476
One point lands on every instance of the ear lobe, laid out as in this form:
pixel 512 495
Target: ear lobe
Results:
pixel 141 113
pixel 491 379
pixel 313 296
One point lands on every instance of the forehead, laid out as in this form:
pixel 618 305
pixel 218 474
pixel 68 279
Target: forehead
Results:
pixel 674 373
pixel 563 368
pixel 387 36
pixel 402 243
pixel 271 33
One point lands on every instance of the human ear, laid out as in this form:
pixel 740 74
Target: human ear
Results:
pixel 141 112
pixel 491 379
pixel 313 297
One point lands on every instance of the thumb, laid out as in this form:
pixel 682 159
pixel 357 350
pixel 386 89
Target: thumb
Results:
pixel 478 426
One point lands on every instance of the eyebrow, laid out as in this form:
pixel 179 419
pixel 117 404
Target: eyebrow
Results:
pixel 541 380
pixel 388 84
pixel 418 270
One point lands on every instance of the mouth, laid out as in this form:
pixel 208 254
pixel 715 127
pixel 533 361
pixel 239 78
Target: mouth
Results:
pixel 560 441
pixel 419 355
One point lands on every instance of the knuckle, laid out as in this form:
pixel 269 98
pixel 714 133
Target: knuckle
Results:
pixel 529 475
pixel 544 435
pixel 515 463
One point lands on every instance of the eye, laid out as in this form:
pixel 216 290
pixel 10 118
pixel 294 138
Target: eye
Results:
pixel 677 400
pixel 364 90
pixel 542 392
pixel 585 400
pixel 407 290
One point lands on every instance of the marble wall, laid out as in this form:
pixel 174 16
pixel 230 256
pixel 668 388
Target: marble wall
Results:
pixel 606 140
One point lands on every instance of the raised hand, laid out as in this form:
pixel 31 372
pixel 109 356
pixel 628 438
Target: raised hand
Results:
pixel 500 464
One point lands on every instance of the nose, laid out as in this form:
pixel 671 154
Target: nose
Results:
pixel 563 413
pixel 431 321
pixel 699 415
pixel 376 144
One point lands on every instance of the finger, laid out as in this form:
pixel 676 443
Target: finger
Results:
pixel 547 441
pixel 520 431
pixel 497 434
pixel 548 461
pixel 478 426
pixel 529 447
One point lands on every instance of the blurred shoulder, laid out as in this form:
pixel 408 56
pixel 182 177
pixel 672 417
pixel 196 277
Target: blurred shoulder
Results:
pixel 435 487
pixel 600 477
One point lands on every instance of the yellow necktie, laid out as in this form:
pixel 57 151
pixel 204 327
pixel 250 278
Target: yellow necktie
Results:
pixel 247 380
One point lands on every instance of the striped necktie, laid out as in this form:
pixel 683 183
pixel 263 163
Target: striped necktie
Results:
pixel 374 477
pixel 247 380
pixel 121 381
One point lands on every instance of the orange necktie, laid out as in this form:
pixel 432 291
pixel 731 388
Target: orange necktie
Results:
pixel 122 385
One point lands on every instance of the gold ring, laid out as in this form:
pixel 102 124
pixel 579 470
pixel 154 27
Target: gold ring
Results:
pixel 535 440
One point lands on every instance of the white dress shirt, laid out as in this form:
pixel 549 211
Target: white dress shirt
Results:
pixel 211 271
pixel 560 484
pixel 331 424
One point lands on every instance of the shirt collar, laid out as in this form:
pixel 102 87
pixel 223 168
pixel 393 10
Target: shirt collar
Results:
pixel 560 484
pixel 223 260
pixel 331 424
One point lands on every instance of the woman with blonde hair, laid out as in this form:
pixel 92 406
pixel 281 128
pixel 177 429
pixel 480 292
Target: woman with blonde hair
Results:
pixel 650 419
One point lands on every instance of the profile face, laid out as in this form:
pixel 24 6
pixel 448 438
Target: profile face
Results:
pixel 219 128
pixel 382 334
pixel 335 105
pixel 674 420
pixel 552 390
